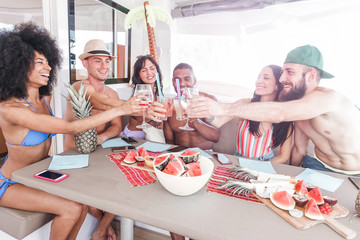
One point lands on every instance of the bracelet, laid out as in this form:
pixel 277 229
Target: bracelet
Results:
pixel 210 119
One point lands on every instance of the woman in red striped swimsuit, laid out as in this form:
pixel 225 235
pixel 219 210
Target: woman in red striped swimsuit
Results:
pixel 257 140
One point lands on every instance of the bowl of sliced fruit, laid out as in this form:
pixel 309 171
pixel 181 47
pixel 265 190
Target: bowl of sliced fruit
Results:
pixel 184 173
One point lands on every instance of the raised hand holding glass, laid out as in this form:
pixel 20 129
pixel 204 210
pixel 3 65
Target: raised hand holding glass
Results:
pixel 144 89
pixel 188 94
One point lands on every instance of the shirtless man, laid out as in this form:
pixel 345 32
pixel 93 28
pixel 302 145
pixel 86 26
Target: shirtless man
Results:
pixel 98 67
pixel 321 115
pixel 204 136
pixel 96 59
pixel 102 97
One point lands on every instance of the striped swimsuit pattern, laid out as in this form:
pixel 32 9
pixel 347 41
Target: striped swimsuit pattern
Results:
pixel 251 146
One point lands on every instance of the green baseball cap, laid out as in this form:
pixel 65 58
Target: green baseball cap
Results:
pixel 310 56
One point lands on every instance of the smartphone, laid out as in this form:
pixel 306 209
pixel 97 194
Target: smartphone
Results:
pixel 51 175
pixel 355 181
pixel 129 140
pixel 222 159
pixel 177 149
pixel 124 148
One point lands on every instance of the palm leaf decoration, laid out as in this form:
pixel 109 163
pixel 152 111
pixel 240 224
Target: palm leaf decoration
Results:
pixel 148 15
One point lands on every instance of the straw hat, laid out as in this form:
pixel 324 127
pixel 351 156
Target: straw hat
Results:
pixel 95 47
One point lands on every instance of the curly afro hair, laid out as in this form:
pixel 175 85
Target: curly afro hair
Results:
pixel 17 52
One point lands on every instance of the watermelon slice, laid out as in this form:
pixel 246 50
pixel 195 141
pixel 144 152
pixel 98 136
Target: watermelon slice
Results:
pixel 171 157
pixel 143 155
pixel 312 210
pixel 142 152
pixel 282 200
pixel 300 187
pixel 175 167
pixel 189 156
pixel 161 161
pixel 194 169
pixel 130 157
pixel 316 195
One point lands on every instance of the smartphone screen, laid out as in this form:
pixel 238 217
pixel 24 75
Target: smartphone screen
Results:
pixel 177 149
pixel 124 148
pixel 51 175
pixel 129 140
pixel 222 159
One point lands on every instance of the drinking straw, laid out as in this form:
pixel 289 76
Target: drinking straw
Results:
pixel 158 85
pixel 178 88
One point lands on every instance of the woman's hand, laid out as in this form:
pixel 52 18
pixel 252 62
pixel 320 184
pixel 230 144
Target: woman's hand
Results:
pixel 134 105
pixel 155 111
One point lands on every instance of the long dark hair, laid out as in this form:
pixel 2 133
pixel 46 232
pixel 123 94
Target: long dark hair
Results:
pixel 17 54
pixel 139 64
pixel 280 130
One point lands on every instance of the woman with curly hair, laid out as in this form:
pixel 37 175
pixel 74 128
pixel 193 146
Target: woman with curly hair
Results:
pixel 29 60
pixel 145 70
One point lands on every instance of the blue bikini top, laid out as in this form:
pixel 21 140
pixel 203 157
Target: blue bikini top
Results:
pixel 34 138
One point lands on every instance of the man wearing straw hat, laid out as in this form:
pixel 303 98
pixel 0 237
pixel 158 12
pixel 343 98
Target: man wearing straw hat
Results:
pixel 96 59
pixel 321 115
pixel 103 97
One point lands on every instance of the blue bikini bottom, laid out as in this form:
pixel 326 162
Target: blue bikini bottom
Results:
pixel 5 183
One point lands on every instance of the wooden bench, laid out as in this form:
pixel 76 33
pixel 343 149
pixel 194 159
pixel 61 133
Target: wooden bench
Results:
pixel 19 224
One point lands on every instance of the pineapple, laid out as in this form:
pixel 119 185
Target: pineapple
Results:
pixel 85 142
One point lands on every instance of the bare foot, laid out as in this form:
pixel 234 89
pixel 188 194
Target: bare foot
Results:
pixel 110 233
pixel 98 236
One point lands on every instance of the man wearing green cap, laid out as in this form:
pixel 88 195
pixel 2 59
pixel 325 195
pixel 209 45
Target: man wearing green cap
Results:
pixel 321 115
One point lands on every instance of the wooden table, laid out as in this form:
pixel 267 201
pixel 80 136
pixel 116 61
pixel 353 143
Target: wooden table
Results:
pixel 203 215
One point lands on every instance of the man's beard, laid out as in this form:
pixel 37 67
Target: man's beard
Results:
pixel 295 93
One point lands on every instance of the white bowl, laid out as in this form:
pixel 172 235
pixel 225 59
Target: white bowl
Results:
pixel 184 186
